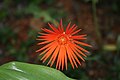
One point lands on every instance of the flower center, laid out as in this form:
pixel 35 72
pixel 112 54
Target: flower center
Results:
pixel 62 39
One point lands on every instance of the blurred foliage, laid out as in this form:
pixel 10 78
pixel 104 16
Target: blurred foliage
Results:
pixel 37 12
pixel 20 20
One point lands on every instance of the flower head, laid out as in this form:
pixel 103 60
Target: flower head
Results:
pixel 62 46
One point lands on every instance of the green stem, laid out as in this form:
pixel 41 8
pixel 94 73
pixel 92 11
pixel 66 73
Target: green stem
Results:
pixel 97 31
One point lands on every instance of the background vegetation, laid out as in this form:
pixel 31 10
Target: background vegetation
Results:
pixel 20 20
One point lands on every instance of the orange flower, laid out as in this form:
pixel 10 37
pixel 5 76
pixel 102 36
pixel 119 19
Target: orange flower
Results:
pixel 62 45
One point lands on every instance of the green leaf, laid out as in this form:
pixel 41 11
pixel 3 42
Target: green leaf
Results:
pixel 25 71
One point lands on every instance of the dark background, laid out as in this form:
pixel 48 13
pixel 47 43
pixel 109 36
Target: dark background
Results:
pixel 20 20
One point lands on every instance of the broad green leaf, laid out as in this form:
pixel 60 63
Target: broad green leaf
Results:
pixel 25 71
